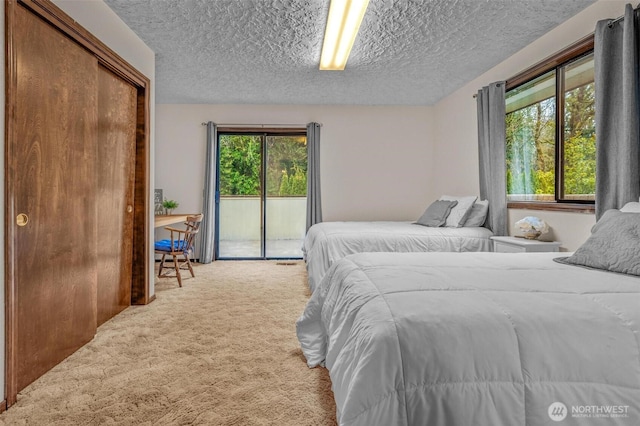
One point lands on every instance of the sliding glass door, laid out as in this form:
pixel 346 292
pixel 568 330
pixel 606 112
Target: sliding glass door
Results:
pixel 286 195
pixel 239 196
pixel 261 195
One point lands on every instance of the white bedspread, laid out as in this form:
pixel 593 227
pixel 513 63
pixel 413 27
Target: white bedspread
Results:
pixel 329 241
pixel 457 339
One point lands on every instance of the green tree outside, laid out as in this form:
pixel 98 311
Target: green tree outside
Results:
pixel 239 167
pixel 286 166
pixel 241 163
pixel 580 141
pixel 531 147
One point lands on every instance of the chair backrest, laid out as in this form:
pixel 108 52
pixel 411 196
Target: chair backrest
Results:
pixel 193 227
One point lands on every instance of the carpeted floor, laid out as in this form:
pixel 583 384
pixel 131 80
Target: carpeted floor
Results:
pixel 221 350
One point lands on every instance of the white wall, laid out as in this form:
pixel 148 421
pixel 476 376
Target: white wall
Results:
pixel 102 22
pixel 456 122
pixel 376 162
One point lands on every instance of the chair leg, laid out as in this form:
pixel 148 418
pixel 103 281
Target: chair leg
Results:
pixel 188 262
pixel 176 265
pixel 161 266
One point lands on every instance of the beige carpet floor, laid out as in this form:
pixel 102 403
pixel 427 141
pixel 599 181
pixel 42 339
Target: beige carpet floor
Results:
pixel 222 350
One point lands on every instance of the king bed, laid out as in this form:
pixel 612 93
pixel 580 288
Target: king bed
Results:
pixel 483 338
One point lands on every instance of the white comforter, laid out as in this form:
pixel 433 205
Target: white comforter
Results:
pixel 327 242
pixel 489 339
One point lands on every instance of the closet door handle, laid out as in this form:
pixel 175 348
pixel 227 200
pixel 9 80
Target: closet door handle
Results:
pixel 22 219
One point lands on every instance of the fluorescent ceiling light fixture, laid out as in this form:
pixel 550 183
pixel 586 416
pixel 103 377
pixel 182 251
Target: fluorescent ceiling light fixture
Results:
pixel 343 23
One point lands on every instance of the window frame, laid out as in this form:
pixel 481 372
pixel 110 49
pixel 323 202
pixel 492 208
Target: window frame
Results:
pixel 556 62
pixel 263 132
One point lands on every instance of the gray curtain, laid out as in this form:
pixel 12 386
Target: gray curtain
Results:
pixel 208 225
pixel 314 202
pixel 617 112
pixel 491 153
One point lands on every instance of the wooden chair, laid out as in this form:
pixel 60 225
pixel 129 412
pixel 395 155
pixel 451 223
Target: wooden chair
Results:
pixel 179 244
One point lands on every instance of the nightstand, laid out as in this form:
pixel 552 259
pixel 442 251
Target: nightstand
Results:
pixel 523 245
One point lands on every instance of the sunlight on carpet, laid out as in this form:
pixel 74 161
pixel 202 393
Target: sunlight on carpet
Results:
pixel 221 350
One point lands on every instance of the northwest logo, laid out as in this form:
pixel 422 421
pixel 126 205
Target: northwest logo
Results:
pixel 557 411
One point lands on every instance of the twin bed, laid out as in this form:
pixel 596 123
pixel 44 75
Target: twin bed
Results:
pixel 483 338
pixel 451 224
pixel 327 242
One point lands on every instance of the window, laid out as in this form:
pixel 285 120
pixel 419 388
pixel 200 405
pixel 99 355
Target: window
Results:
pixel 550 133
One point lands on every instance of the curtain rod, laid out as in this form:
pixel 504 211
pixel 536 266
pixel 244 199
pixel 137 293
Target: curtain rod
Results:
pixel 262 126
pixel 612 22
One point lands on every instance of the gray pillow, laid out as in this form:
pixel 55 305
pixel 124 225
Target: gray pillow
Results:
pixel 614 245
pixel 436 214
pixel 459 213
pixel 478 214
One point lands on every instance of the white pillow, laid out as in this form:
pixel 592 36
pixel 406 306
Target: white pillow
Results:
pixel 633 207
pixel 460 212
pixel 478 213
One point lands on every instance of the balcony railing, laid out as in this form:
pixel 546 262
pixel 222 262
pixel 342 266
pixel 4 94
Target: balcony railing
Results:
pixel 240 220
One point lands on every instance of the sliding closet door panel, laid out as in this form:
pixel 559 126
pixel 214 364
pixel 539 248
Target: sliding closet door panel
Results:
pixel 53 168
pixel 117 104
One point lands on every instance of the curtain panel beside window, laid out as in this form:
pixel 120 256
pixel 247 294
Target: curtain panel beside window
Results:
pixel 208 225
pixel 491 152
pixel 314 202
pixel 617 112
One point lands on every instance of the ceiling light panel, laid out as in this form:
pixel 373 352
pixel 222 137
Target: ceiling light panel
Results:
pixel 343 22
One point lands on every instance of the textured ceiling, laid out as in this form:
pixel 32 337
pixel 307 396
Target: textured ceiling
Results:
pixel 408 52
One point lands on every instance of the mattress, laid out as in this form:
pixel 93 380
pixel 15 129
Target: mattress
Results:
pixel 476 339
pixel 329 241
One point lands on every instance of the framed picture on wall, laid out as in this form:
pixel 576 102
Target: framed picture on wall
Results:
pixel 157 201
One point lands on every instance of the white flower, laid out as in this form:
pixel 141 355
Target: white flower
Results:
pixel 532 223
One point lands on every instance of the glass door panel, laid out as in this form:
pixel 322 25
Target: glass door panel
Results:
pixel 286 195
pixel 240 218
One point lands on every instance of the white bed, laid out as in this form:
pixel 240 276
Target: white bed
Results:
pixel 445 339
pixel 328 242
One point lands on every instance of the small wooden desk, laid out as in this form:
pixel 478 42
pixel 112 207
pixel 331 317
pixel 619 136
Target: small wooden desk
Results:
pixel 168 219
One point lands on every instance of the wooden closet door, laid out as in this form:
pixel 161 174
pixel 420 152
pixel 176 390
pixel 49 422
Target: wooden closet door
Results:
pixel 117 103
pixel 52 165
